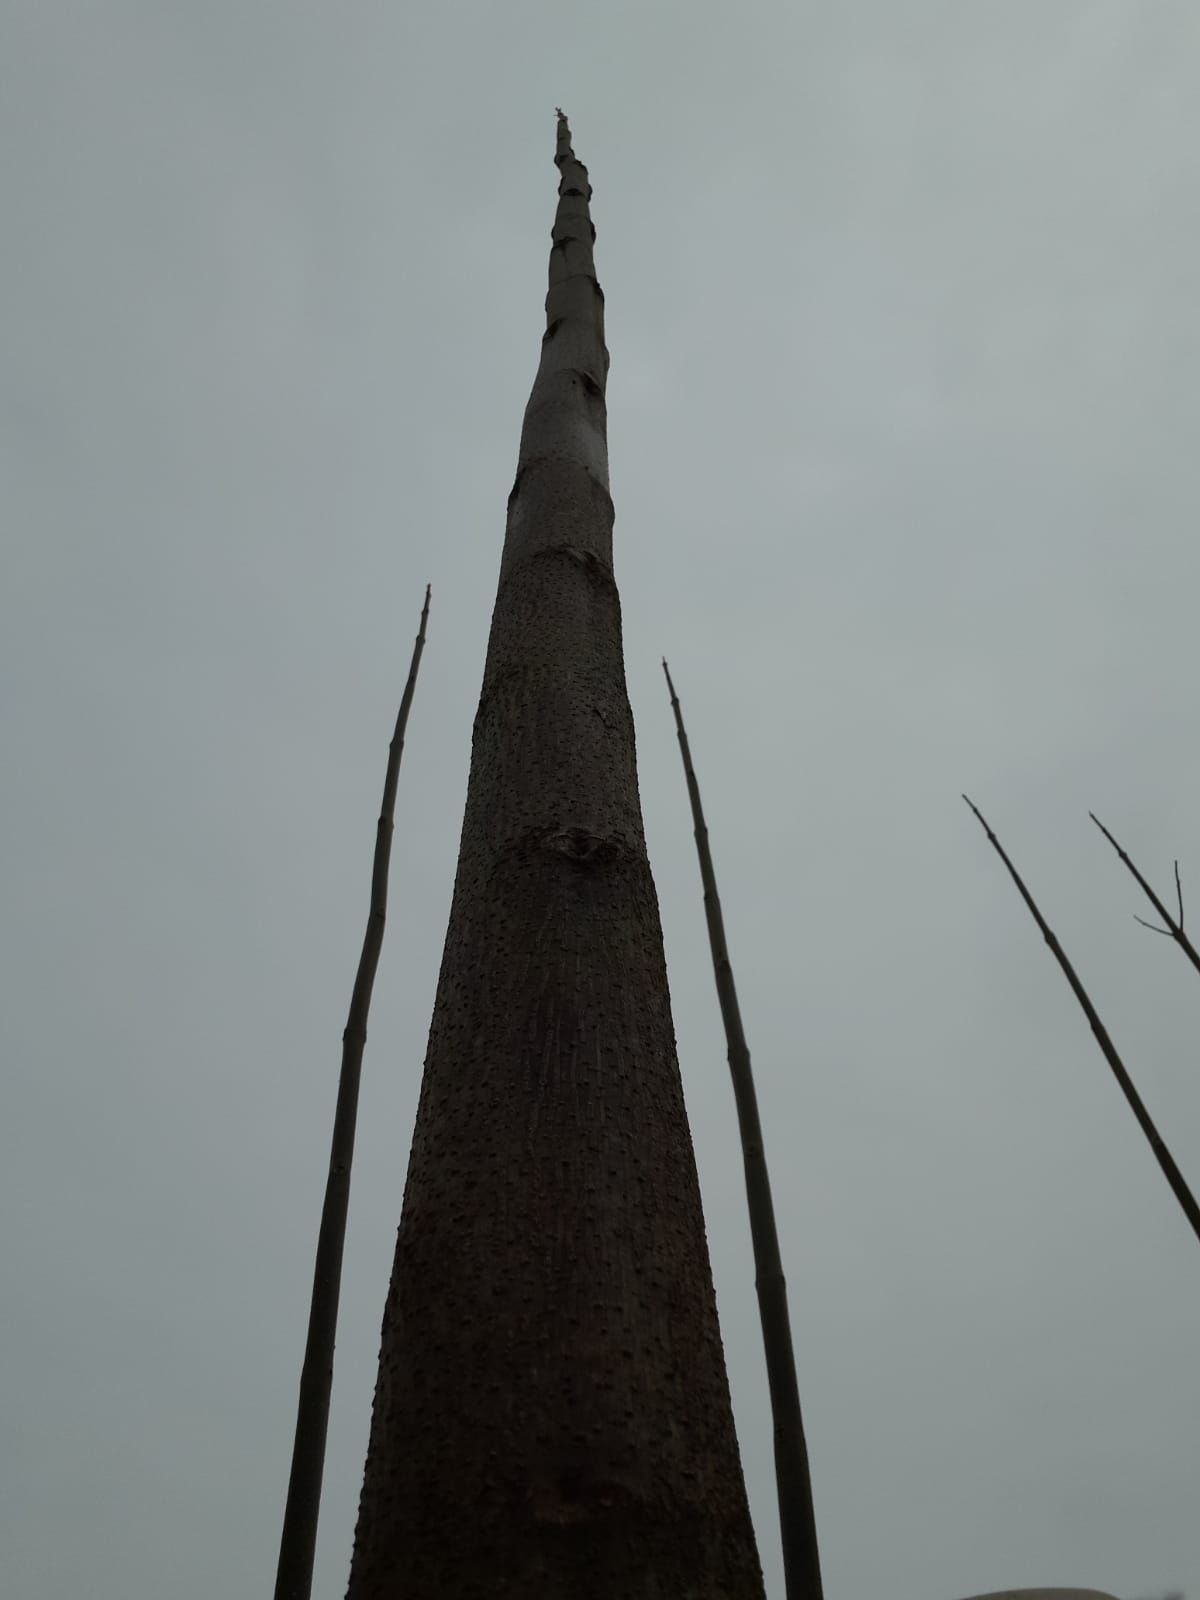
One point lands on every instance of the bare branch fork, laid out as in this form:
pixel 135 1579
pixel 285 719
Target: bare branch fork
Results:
pixel 797 1520
pixel 297 1545
pixel 1165 1160
pixel 1174 926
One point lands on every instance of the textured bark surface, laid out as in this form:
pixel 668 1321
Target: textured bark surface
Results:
pixel 552 1414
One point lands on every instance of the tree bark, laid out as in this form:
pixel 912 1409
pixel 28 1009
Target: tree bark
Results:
pixel 552 1415
pixel 297 1545
pixel 793 1483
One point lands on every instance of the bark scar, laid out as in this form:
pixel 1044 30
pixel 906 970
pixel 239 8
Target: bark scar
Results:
pixel 587 559
pixel 580 847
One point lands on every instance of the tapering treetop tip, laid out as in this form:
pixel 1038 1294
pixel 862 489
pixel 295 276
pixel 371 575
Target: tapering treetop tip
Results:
pixel 564 136
pixel 983 821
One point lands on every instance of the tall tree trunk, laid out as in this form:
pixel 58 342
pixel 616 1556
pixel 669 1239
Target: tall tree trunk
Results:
pixel 297 1544
pixel 797 1520
pixel 552 1415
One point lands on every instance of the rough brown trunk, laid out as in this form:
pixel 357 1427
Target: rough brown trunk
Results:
pixel 552 1415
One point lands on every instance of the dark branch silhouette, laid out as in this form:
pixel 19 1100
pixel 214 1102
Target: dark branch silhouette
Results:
pixel 1174 926
pixel 797 1521
pixel 297 1546
pixel 1165 1160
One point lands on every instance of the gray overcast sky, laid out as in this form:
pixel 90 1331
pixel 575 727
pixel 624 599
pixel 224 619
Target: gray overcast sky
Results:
pixel 903 424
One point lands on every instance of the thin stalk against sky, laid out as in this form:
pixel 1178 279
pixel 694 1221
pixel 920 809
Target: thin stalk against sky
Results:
pixel 293 1577
pixel 797 1521
pixel 1165 1160
pixel 1174 929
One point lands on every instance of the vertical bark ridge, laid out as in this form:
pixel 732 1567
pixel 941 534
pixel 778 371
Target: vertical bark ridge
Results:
pixel 552 1414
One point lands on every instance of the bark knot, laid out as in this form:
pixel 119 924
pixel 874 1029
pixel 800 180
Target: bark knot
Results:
pixel 581 848
pixel 576 1496
pixel 592 564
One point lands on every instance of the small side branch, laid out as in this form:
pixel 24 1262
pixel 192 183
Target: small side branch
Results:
pixel 297 1545
pixel 797 1520
pixel 1165 1160
pixel 1174 926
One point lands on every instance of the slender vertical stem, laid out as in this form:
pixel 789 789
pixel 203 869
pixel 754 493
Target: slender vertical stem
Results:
pixel 797 1522
pixel 297 1546
pixel 1173 927
pixel 1165 1160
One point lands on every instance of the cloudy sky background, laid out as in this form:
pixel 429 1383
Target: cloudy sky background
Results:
pixel 903 422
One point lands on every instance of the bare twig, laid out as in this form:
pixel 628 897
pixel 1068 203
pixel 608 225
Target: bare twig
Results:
pixel 1165 1160
pixel 801 1559
pixel 1173 929
pixel 297 1546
